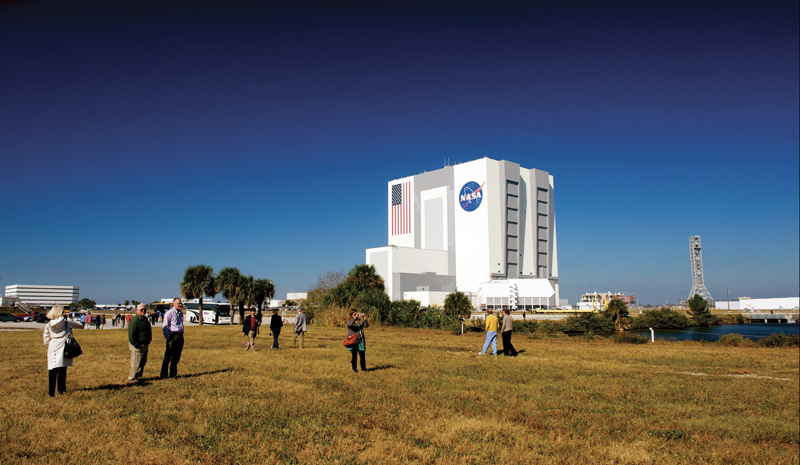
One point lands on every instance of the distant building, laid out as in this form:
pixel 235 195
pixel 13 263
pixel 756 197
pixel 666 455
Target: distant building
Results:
pixel 295 296
pixel 43 294
pixel 599 300
pixel 748 304
pixel 486 228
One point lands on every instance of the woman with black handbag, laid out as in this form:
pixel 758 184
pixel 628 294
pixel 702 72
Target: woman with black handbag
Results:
pixel 56 333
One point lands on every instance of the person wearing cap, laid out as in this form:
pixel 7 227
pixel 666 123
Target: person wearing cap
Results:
pixel 139 336
pixel 491 333
pixel 250 329
pixel 55 338
pixel 173 333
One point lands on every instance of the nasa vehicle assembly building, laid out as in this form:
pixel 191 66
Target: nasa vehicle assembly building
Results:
pixel 486 228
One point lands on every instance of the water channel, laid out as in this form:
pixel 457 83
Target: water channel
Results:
pixel 711 334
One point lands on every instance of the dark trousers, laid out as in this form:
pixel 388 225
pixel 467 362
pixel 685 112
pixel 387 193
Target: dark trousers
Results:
pixel 356 353
pixel 508 348
pixel 57 375
pixel 172 355
pixel 275 334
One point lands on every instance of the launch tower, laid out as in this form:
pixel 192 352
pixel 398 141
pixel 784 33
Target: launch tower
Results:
pixel 696 258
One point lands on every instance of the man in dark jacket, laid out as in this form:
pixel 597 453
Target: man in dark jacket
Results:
pixel 275 324
pixel 250 329
pixel 139 337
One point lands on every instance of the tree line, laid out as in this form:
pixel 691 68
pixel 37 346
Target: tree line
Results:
pixel 363 289
pixel 241 291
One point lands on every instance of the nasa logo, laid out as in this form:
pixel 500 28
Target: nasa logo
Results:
pixel 471 196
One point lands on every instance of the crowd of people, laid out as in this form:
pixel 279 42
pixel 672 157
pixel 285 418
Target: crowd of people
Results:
pixel 140 336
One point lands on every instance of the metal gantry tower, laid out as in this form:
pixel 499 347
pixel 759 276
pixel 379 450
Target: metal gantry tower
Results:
pixel 696 258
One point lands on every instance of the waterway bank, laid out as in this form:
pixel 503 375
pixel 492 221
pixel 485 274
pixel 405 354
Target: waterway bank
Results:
pixel 713 333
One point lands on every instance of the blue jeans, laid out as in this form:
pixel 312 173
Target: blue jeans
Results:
pixel 275 334
pixel 491 338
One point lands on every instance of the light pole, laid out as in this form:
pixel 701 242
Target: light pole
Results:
pixel 728 296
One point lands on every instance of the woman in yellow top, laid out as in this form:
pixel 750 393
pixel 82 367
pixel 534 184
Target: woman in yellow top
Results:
pixel 491 333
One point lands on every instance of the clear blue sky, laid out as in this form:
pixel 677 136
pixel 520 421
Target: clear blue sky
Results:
pixel 140 138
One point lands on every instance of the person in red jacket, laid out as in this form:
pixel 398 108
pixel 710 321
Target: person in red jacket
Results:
pixel 250 329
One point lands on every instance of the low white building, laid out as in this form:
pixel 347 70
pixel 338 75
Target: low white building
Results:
pixel 749 305
pixel 516 294
pixel 8 301
pixel 43 294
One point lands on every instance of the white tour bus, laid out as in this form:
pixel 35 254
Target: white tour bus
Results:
pixel 213 312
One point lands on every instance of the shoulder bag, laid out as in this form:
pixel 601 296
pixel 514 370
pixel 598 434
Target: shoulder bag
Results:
pixel 71 349
pixel 351 340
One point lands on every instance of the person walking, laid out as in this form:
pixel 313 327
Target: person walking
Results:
pixel 356 325
pixel 55 336
pixel 97 321
pixel 139 336
pixel 491 333
pixel 299 328
pixel 104 321
pixel 508 327
pixel 250 329
pixel 173 333
pixel 275 324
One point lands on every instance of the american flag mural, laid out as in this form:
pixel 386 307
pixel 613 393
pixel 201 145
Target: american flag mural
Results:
pixel 401 208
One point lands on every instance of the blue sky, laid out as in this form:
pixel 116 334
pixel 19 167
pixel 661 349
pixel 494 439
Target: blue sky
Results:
pixel 139 139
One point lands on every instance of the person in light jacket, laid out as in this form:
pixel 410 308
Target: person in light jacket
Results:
pixel 55 338
pixel 299 328
pixel 508 327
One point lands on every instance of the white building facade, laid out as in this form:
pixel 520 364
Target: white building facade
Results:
pixel 43 294
pixel 464 226
pixel 778 303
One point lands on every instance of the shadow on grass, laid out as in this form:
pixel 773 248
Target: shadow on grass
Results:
pixel 148 381
pixel 381 367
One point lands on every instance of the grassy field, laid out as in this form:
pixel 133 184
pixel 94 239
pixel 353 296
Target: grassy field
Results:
pixel 427 398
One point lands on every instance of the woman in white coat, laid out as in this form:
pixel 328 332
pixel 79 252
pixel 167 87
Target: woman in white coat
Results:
pixel 55 338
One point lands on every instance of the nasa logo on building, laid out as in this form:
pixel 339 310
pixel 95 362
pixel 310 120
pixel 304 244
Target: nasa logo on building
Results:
pixel 470 196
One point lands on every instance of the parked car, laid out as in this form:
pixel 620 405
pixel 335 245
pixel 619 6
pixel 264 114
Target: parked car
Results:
pixel 40 318
pixel 7 317
pixel 24 316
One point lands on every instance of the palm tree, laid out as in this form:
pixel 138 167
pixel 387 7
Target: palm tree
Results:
pixel 244 297
pixel 365 277
pixel 197 282
pixel 228 281
pixel 457 305
pixel 262 289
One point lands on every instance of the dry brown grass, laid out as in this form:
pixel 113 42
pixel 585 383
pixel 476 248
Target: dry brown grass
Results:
pixel 428 399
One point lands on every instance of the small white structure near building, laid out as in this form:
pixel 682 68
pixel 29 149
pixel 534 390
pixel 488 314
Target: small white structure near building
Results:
pixel 8 301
